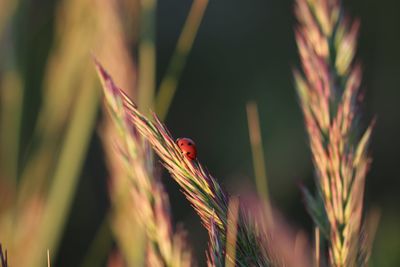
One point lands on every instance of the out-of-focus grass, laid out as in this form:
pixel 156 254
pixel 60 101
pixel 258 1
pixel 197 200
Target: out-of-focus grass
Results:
pixel 123 212
pixel 11 104
pixel 69 164
pixel 67 117
pixel 7 9
pixel 40 198
pixel 147 54
pixel 257 151
pixel 183 47
pixel 386 247
pixel 42 186
pixel 11 97
pixel 38 185
pixel 121 19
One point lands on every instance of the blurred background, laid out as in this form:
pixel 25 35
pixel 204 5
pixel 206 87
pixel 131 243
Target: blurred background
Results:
pixel 53 170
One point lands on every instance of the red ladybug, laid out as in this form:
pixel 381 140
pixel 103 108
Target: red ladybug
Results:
pixel 187 147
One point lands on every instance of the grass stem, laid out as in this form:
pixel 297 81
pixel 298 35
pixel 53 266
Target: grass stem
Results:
pixel 258 155
pixel 147 54
pixel 317 247
pixel 231 235
pixel 68 169
pixel 11 115
pixel 169 83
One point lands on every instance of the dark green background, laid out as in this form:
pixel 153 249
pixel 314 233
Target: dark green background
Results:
pixel 244 50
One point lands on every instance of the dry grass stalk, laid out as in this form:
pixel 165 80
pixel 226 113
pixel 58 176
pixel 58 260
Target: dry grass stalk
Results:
pixel 121 18
pixel 199 187
pixel 329 92
pixel 131 168
pixel 189 175
pixel 127 230
pixel 120 65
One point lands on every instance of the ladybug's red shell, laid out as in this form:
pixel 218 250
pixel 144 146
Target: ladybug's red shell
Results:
pixel 187 147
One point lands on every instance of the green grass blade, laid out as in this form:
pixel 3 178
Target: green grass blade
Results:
pixel 147 54
pixel 169 83
pixel 67 170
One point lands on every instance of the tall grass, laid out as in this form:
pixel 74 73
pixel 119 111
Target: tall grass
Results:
pixel 36 190
pixel 38 182
pixel 137 196
pixel 119 224
pixel 131 167
pixel 39 186
pixel 199 187
pixel 238 236
pixel 328 93
pixel 329 96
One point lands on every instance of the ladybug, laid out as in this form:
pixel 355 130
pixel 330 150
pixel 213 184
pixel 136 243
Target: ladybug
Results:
pixel 187 147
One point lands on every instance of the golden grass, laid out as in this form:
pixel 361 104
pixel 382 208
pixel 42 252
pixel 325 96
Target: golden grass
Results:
pixel 328 93
pixel 133 176
pixel 202 190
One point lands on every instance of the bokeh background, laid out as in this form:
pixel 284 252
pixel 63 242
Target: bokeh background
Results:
pixel 244 50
